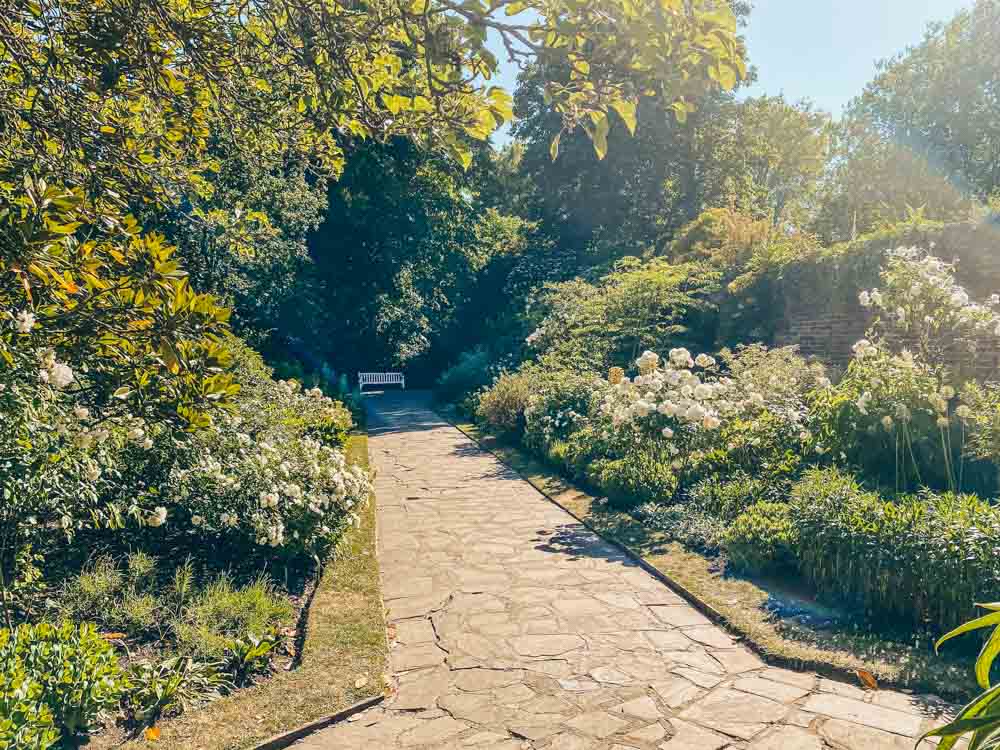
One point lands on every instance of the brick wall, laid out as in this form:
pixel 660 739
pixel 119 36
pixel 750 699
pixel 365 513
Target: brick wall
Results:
pixel 826 325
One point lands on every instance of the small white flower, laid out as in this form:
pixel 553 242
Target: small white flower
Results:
pixel 228 519
pixel 865 299
pixel 158 517
pixel 704 360
pixel 25 321
pixel 197 520
pixel 667 432
pixel 887 422
pixel 963 412
pixel 81 412
pixel 147 443
pixel 960 298
pixel 876 298
pixel 60 375
pixel 710 422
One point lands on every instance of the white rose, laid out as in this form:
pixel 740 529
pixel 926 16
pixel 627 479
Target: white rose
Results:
pixel 25 321
pixel 158 517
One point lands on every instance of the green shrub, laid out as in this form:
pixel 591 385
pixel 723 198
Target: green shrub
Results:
pixel 470 373
pixel 560 404
pixel 221 614
pixel 170 686
pixel 685 524
pixel 922 559
pixel 501 406
pixel 54 682
pixel 638 478
pixel 726 498
pixel 761 539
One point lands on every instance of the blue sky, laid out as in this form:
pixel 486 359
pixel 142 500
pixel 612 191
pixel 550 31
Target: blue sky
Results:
pixel 823 50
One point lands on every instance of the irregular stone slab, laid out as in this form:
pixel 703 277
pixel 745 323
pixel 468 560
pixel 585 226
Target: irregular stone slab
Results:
pixel 435 730
pixel 648 735
pixel 680 615
pixel 640 708
pixel 611 676
pixel 701 679
pixel 690 737
pixel 412 632
pixel 709 635
pixel 867 714
pixel 668 640
pixel 788 738
pixel 734 713
pixel 547 645
pixel 677 691
pixel 420 689
pixel 567 741
pixel 799 679
pixel 845 735
pixel 597 724
pixel 776 691
pixel 415 657
pixel 481 680
pixel 737 660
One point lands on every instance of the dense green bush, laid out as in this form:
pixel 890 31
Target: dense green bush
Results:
pixel 639 477
pixel 54 683
pixel 560 404
pixel 685 524
pixel 727 497
pixel 922 559
pixel 761 539
pixel 502 405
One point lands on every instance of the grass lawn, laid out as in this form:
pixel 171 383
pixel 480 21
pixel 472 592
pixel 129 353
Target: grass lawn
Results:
pixel 345 646
pixel 740 602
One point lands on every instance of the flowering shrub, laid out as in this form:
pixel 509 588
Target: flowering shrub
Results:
pixel 887 416
pixel 271 488
pixel 502 405
pixel 559 405
pixel 923 304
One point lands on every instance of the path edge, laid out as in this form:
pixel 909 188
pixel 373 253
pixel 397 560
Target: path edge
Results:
pixel 822 668
pixel 291 736
pixel 284 739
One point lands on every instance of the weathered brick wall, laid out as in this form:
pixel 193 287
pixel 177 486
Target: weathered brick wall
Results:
pixel 823 316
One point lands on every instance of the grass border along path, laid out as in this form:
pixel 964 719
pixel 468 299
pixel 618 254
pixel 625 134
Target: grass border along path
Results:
pixel 738 603
pixel 345 646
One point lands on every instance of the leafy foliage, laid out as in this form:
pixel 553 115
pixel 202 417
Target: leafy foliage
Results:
pixel 54 682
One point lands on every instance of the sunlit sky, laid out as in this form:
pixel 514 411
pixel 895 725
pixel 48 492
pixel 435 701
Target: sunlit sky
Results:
pixel 823 50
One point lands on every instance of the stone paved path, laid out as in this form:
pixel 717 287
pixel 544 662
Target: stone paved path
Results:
pixel 515 627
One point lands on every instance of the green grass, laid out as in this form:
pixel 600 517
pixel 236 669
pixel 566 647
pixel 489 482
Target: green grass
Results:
pixel 344 642
pixel 740 601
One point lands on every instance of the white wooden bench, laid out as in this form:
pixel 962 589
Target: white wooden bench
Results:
pixel 380 378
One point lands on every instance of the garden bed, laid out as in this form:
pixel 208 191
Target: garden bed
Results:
pixel 766 614
pixel 342 658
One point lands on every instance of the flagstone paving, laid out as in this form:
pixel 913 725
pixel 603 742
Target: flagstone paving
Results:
pixel 515 627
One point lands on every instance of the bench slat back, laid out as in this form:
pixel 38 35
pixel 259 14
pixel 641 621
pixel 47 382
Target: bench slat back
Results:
pixel 381 378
